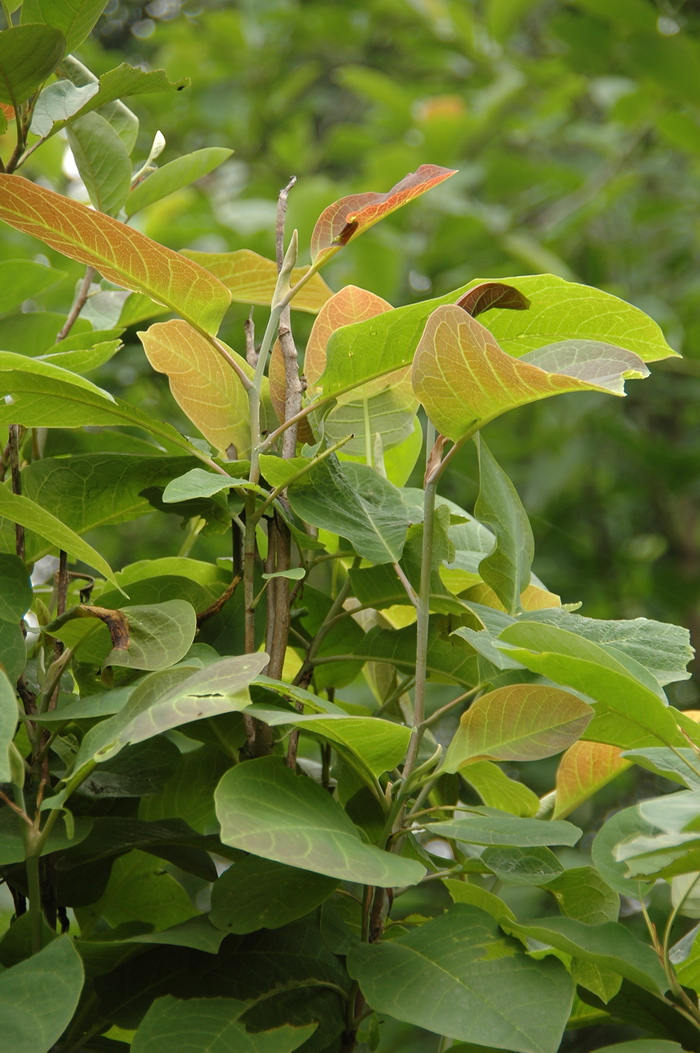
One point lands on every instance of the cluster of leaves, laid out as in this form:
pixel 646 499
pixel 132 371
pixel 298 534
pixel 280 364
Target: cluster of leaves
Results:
pixel 269 833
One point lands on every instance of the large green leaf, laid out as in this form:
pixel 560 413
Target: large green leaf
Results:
pixel 562 310
pixel 258 893
pixel 91 490
pixel 488 827
pixel 518 722
pixel 498 507
pixel 15 588
pixel 33 1023
pixel 174 175
pixel 629 714
pixel 102 161
pixel 139 889
pixel 120 253
pixel 28 54
pixel 265 809
pixel 19 509
pixel 463 378
pixel 153 636
pixel 355 502
pixel 582 893
pixel 169 699
pixel 610 946
pixel 74 18
pixel 210 1025
pixel 458 975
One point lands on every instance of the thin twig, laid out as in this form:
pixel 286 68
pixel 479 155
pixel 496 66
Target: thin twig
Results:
pixel 218 603
pixel 78 304
pixel 251 355
pixel 13 806
pixel 14 441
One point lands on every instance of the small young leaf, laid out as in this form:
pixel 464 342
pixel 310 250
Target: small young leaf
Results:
pixel 175 175
pixel 351 216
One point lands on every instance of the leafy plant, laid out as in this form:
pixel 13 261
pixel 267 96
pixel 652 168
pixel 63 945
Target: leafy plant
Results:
pixel 237 774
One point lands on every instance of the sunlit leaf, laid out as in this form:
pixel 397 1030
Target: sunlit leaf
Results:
pixel 346 307
pixel 584 769
pixel 120 253
pixel 102 161
pixel 74 18
pixel 203 384
pixel 265 809
pixel 519 722
pixel 463 378
pixel 497 790
pixel 173 176
pixel 252 278
pixel 350 216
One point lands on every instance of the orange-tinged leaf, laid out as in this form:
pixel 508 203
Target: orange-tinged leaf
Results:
pixel 492 294
pixel 520 722
pixel 8 111
pixel 463 378
pixel 203 385
pixel 533 598
pixel 350 305
pixel 122 255
pixel 251 278
pixel 346 219
pixel 584 769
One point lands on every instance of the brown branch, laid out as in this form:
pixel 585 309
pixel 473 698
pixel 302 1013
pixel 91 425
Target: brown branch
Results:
pixel 218 603
pixel 16 433
pixel 78 304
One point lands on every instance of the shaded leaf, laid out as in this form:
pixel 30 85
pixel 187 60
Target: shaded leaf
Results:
pixel 9 715
pixel 350 216
pixel 582 893
pixel 15 588
pixel 102 161
pixel 442 977
pixel 28 54
pixel 498 507
pixel 120 253
pixel 584 769
pixel 619 827
pixel 210 1025
pixel 522 866
pixel 258 893
pixel 491 828
pixel 21 280
pixel 30 1024
pixel 518 722
pixel 464 379
pixel 251 278
pixel 488 295
pixel 265 809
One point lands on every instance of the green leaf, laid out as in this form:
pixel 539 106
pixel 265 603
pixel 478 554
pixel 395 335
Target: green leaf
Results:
pixel 379 745
pixel 151 637
pixel 355 502
pixel 28 54
pixel 174 175
pixel 643 1045
pixel 258 893
pixel 22 280
pixel 9 715
pixel 102 161
pixel 13 653
pixel 498 507
pixel 15 588
pixel 59 102
pixel 116 84
pixel 629 714
pixel 490 828
pixel 522 866
pixel 139 889
pixel 19 509
pixel 83 360
pixel 582 893
pixel 497 790
pixel 623 825
pixel 123 120
pixel 661 648
pixel 120 253
pixel 30 1024
pixel 44 395
pixel 198 483
pixel 210 1024
pixel 610 946
pixel 476 896
pixel 74 18
pixel 679 765
pixel 265 809
pixel 518 722
pixel 12 848
pixel 464 378
pixel 91 490
pixel 561 310
pixel 170 699
pixel 444 974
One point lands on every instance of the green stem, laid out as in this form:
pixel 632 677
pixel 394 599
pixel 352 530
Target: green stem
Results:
pixel 32 848
pixel 298 475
